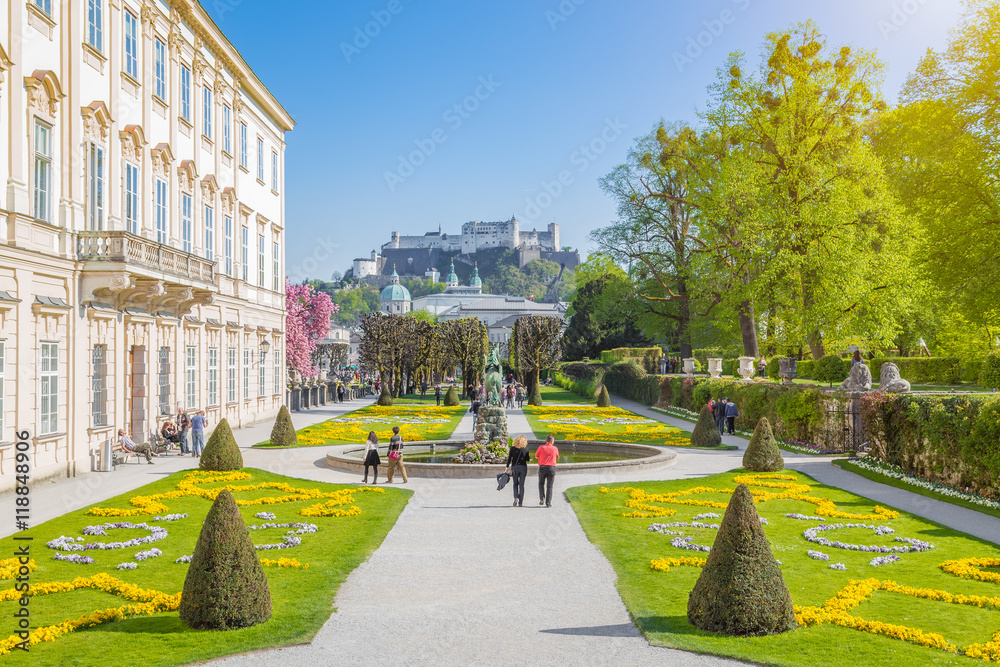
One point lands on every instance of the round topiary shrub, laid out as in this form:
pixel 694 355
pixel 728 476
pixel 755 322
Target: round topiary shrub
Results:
pixel 772 368
pixel 283 433
pixel 763 454
pixel 535 397
pixel 830 369
pixel 706 433
pixel 221 451
pixel 989 372
pixel 225 586
pixel 604 398
pixel 740 591
pixel 451 398
pixel 385 398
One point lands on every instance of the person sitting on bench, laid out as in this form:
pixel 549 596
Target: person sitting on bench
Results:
pixel 169 433
pixel 129 446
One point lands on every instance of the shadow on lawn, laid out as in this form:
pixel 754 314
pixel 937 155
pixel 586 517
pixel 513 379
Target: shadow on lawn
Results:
pixel 159 625
pixel 677 625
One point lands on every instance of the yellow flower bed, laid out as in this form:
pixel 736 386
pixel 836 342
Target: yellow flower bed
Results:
pixel 10 567
pixel 416 422
pixel 147 603
pixel 283 562
pixel 189 486
pixel 664 564
pixel 968 568
pixel 590 423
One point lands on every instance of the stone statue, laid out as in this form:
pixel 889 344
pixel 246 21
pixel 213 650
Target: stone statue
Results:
pixel 494 382
pixel 889 379
pixel 860 379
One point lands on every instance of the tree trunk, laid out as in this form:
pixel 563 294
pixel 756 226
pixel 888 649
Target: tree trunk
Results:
pixel 815 338
pixel 748 329
pixel 684 321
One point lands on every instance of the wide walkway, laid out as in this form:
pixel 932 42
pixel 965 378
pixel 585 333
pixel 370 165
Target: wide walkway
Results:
pixel 464 577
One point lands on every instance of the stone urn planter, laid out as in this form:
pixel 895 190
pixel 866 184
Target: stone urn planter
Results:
pixel 787 369
pixel 746 369
pixel 689 367
pixel 715 368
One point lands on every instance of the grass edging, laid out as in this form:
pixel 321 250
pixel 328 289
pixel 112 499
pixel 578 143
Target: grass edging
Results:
pixel 846 464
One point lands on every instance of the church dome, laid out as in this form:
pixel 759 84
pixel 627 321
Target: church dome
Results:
pixel 476 280
pixel 394 291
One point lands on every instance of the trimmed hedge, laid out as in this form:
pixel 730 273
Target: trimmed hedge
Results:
pixel 451 397
pixel 922 370
pixel 629 380
pixel 221 451
pixel 647 357
pixel 989 373
pixel 603 398
pixel 283 432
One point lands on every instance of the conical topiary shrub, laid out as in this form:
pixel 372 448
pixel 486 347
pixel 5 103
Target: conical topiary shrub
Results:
pixel 706 433
pixel 221 451
pixel 762 454
pixel 535 397
pixel 740 590
pixel 451 397
pixel 225 586
pixel 283 433
pixel 604 398
pixel 385 398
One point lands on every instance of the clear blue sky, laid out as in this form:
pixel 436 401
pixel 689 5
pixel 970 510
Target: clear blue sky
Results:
pixel 535 80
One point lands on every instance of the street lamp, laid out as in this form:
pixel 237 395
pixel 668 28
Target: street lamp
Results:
pixel 265 347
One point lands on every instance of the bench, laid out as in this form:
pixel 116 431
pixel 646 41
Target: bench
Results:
pixel 119 455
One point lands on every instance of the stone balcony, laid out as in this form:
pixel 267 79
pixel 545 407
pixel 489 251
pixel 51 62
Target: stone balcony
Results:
pixel 128 271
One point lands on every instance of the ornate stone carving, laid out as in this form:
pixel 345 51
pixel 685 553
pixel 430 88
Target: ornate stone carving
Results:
pixel 209 186
pixel 161 157
pixel 44 92
pixel 890 379
pixel 186 175
pixel 96 121
pixel 228 200
pixel 132 140
pixel 860 379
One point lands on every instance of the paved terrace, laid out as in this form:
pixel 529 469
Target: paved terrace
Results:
pixel 464 577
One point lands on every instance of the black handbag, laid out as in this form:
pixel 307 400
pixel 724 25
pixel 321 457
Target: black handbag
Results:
pixel 502 480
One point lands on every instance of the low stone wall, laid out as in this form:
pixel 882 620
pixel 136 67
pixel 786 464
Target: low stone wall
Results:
pixel 654 458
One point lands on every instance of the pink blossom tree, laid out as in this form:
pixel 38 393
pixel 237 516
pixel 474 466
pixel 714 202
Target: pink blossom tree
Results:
pixel 307 322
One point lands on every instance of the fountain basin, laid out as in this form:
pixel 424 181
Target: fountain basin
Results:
pixel 622 457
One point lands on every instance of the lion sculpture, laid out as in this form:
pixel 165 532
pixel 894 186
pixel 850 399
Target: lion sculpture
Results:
pixel 890 380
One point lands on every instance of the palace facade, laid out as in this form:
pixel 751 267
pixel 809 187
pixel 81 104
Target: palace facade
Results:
pixel 141 227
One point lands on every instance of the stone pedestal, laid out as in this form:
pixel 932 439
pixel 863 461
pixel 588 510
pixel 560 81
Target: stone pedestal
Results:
pixel 715 367
pixel 689 366
pixel 746 369
pixel 787 369
pixel 295 399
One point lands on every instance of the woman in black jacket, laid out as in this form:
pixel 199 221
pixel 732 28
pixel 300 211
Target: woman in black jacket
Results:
pixel 517 467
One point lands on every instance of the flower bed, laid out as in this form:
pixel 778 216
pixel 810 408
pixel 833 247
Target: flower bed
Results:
pixel 415 422
pixel 593 424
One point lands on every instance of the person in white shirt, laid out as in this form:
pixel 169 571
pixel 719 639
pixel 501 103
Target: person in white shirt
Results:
pixel 129 446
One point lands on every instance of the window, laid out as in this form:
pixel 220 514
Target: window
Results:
pixel 3 386
pixel 231 375
pixel 260 159
pixel 206 116
pixel 99 392
pixel 94 23
pixel 95 191
pixel 227 250
pixel 261 390
pixel 276 268
pixel 45 6
pixel 161 211
pixel 160 69
pixel 186 93
pixel 191 377
pixel 131 45
pixel 260 261
pixel 209 233
pixel 131 198
pixel 48 389
pixel 163 380
pixel 186 224
pixel 246 373
pixel 243 145
pixel 43 171
pixel 245 251
pixel 277 371
pixel 274 170
pixel 227 145
pixel 213 376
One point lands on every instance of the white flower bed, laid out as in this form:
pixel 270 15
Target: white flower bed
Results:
pixel 913 545
pixel 817 555
pixel 803 517
pixel 895 472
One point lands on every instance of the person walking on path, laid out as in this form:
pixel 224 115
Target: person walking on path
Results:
pixel 547 456
pixel 396 455
pixel 475 409
pixel 719 411
pixel 198 424
pixel 129 446
pixel 437 394
pixel 732 412
pixel 517 467
pixel 371 457
pixel 341 392
pixel 183 427
pixel 520 395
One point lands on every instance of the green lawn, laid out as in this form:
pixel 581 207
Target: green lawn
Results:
pixel 416 422
pixel 912 488
pixel 658 600
pixel 556 394
pixel 302 598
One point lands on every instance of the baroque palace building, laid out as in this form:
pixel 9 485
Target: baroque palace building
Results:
pixel 141 227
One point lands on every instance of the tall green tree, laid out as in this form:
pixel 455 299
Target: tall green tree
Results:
pixel 466 342
pixel 601 319
pixel 538 339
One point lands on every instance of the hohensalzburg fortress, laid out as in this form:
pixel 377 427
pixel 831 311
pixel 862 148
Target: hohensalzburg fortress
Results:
pixel 478 235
